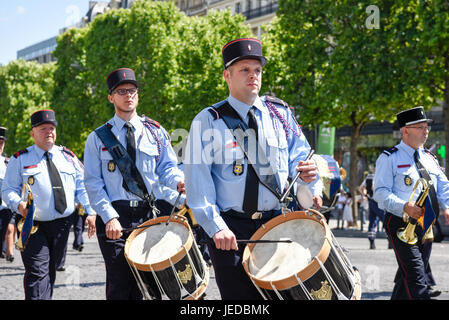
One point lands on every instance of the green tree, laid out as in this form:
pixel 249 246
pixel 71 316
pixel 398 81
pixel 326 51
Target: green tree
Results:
pixel 339 68
pixel 430 40
pixel 25 87
pixel 72 93
pixel 177 60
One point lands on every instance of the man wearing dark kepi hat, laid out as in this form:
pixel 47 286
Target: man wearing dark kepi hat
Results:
pixel 397 171
pixel 223 191
pixel 55 178
pixel 124 200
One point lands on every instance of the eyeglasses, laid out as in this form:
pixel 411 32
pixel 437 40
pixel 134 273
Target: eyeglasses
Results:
pixel 421 128
pixel 123 92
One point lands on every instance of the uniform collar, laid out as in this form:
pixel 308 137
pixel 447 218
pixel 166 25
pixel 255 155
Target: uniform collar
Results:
pixel 409 150
pixel 135 121
pixel 40 152
pixel 243 108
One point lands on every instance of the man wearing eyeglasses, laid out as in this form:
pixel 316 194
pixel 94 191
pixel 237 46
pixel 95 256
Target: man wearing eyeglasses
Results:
pixel 397 171
pixel 145 146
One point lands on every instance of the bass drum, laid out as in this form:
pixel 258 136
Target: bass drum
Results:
pixel 312 267
pixel 166 261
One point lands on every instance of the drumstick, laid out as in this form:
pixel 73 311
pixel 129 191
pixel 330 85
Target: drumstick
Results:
pixel 174 207
pixel 282 240
pixel 129 229
pixel 309 156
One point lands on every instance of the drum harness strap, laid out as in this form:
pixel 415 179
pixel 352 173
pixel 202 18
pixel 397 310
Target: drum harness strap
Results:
pixel 127 167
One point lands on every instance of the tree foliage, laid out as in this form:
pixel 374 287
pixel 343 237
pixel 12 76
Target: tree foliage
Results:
pixel 339 70
pixel 25 87
pixel 177 60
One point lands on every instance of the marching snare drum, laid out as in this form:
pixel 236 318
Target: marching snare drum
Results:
pixel 165 260
pixel 313 266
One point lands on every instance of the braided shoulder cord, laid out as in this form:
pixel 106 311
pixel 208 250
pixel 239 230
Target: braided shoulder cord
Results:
pixel 155 136
pixel 274 112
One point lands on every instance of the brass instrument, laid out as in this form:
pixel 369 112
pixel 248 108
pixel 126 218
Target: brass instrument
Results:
pixel 408 234
pixel 343 173
pixel 26 192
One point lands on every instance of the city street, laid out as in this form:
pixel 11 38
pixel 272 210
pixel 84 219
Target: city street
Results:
pixel 84 277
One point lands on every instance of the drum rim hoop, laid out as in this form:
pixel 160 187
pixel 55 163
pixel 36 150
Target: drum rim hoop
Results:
pixel 306 272
pixel 164 264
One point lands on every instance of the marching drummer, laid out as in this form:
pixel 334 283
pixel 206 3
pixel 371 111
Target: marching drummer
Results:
pixel 125 201
pixel 55 177
pixel 223 191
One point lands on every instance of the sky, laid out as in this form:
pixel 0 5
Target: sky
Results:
pixel 26 22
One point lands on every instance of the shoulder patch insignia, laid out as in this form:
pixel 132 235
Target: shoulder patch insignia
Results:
pixel 151 121
pixel 68 151
pixel 276 101
pixel 390 151
pixel 214 113
pixel 18 153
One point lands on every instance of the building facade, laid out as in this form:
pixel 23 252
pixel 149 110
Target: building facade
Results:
pixel 42 51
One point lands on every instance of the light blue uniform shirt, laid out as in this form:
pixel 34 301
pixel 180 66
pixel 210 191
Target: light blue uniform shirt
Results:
pixel 2 175
pixel 211 184
pixel 156 163
pixel 31 167
pixel 396 175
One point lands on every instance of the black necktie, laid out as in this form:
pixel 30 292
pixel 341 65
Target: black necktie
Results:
pixel 424 174
pixel 130 141
pixel 250 199
pixel 130 147
pixel 58 188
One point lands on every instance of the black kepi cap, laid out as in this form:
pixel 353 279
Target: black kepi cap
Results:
pixel 244 48
pixel 3 133
pixel 412 116
pixel 43 116
pixel 120 76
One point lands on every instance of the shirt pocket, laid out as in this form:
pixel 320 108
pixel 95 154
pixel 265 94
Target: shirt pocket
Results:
pixel 277 154
pixel 148 154
pixel 33 177
pixel 405 180
pixel 108 166
pixel 68 177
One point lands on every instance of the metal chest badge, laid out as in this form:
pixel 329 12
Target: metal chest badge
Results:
pixel 111 166
pixel 31 180
pixel 237 168
pixel 408 180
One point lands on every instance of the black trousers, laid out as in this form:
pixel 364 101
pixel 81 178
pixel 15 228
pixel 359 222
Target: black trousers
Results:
pixel 5 218
pixel 120 281
pixel 42 256
pixel 412 278
pixel 232 280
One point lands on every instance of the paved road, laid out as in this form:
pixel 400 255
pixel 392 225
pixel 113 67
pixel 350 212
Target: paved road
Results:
pixel 84 277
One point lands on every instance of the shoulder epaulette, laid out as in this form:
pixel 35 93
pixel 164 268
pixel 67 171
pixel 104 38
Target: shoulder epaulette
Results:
pixel 276 101
pixel 152 122
pixel 68 151
pixel 18 153
pixel 214 113
pixel 430 153
pixel 390 151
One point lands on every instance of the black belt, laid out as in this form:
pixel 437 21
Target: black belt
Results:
pixel 256 215
pixel 131 203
